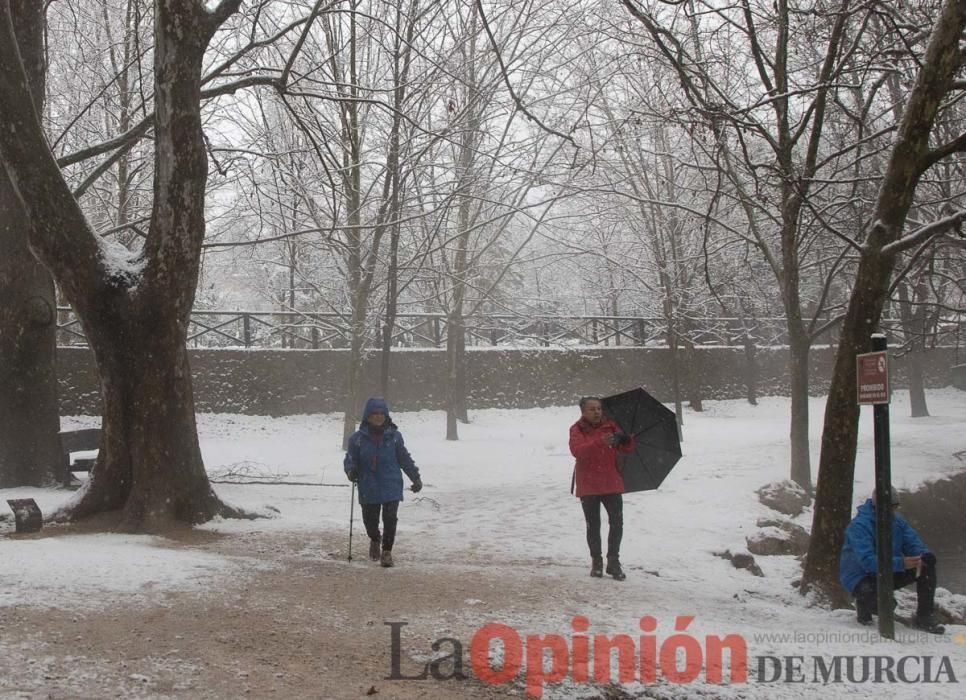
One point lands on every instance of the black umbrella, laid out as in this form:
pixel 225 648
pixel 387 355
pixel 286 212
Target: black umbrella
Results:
pixel 657 447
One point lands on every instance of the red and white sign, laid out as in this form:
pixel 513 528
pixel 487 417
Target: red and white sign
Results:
pixel 872 377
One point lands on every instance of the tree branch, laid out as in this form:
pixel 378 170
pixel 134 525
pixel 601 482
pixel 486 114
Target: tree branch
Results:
pixel 216 16
pixel 133 134
pixel 55 216
pixel 924 233
pixel 128 138
pixel 957 145
pixel 506 80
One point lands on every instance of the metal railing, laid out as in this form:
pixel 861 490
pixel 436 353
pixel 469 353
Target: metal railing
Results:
pixel 327 330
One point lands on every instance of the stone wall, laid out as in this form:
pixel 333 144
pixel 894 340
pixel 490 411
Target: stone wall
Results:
pixel 285 382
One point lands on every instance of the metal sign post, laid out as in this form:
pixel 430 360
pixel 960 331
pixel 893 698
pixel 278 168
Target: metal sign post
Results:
pixel 872 377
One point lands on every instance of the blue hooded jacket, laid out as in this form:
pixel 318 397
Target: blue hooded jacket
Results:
pixel 858 558
pixel 379 458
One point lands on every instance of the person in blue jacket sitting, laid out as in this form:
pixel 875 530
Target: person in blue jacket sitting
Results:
pixel 375 459
pixel 911 561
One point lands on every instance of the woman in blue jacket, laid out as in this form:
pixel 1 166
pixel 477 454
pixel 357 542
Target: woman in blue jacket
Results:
pixel 375 459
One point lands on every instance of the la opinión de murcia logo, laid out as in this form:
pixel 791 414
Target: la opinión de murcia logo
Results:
pixel 855 669
pixel 680 658
pixel 499 654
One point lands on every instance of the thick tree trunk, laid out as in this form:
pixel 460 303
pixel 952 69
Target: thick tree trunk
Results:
pixel 454 331
pixel 833 494
pixel 695 401
pixel 392 303
pixel 360 274
pixel 801 468
pixel 910 157
pixel 135 314
pixel 150 464
pixel 353 394
pixel 914 327
pixel 462 413
pixel 466 182
pixel 401 64
pixel 29 413
pixel 385 356
pixel 675 352
pixel 917 384
pixel 751 371
pixel 798 341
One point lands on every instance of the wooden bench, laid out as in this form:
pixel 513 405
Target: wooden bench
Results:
pixel 78 441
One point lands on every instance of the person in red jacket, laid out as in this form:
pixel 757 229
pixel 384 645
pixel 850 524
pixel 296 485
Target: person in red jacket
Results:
pixel 595 441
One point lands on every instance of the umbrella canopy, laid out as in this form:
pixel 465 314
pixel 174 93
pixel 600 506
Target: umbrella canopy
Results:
pixel 657 447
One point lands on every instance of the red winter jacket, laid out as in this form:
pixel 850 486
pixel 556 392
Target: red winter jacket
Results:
pixel 596 467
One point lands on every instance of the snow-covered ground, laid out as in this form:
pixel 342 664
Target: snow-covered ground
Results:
pixel 499 497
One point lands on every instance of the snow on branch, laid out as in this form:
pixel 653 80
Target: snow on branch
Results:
pixel 926 232
pixel 124 267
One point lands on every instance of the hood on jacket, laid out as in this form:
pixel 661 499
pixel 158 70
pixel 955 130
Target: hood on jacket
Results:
pixel 867 509
pixel 374 405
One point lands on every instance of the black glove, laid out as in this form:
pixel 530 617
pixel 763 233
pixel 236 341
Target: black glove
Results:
pixel 618 439
pixel 417 486
pixel 353 475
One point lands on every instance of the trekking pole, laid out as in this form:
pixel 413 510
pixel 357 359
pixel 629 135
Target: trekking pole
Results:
pixel 352 511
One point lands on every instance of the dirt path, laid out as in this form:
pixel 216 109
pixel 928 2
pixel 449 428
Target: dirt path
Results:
pixel 312 626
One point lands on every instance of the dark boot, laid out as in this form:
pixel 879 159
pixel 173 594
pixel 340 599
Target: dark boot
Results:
pixel 614 569
pixel 374 549
pixel 866 604
pixel 597 567
pixel 925 618
pixel 928 623
pixel 386 559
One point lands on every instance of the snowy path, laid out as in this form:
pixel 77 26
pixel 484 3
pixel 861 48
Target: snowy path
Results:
pixel 496 512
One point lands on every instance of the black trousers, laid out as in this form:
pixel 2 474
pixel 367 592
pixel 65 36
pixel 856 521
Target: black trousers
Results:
pixel 614 505
pixel 370 516
pixel 866 600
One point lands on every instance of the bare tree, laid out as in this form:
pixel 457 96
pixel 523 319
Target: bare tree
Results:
pixel 769 121
pixel 134 311
pixel 362 53
pixel 500 167
pixel 910 158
